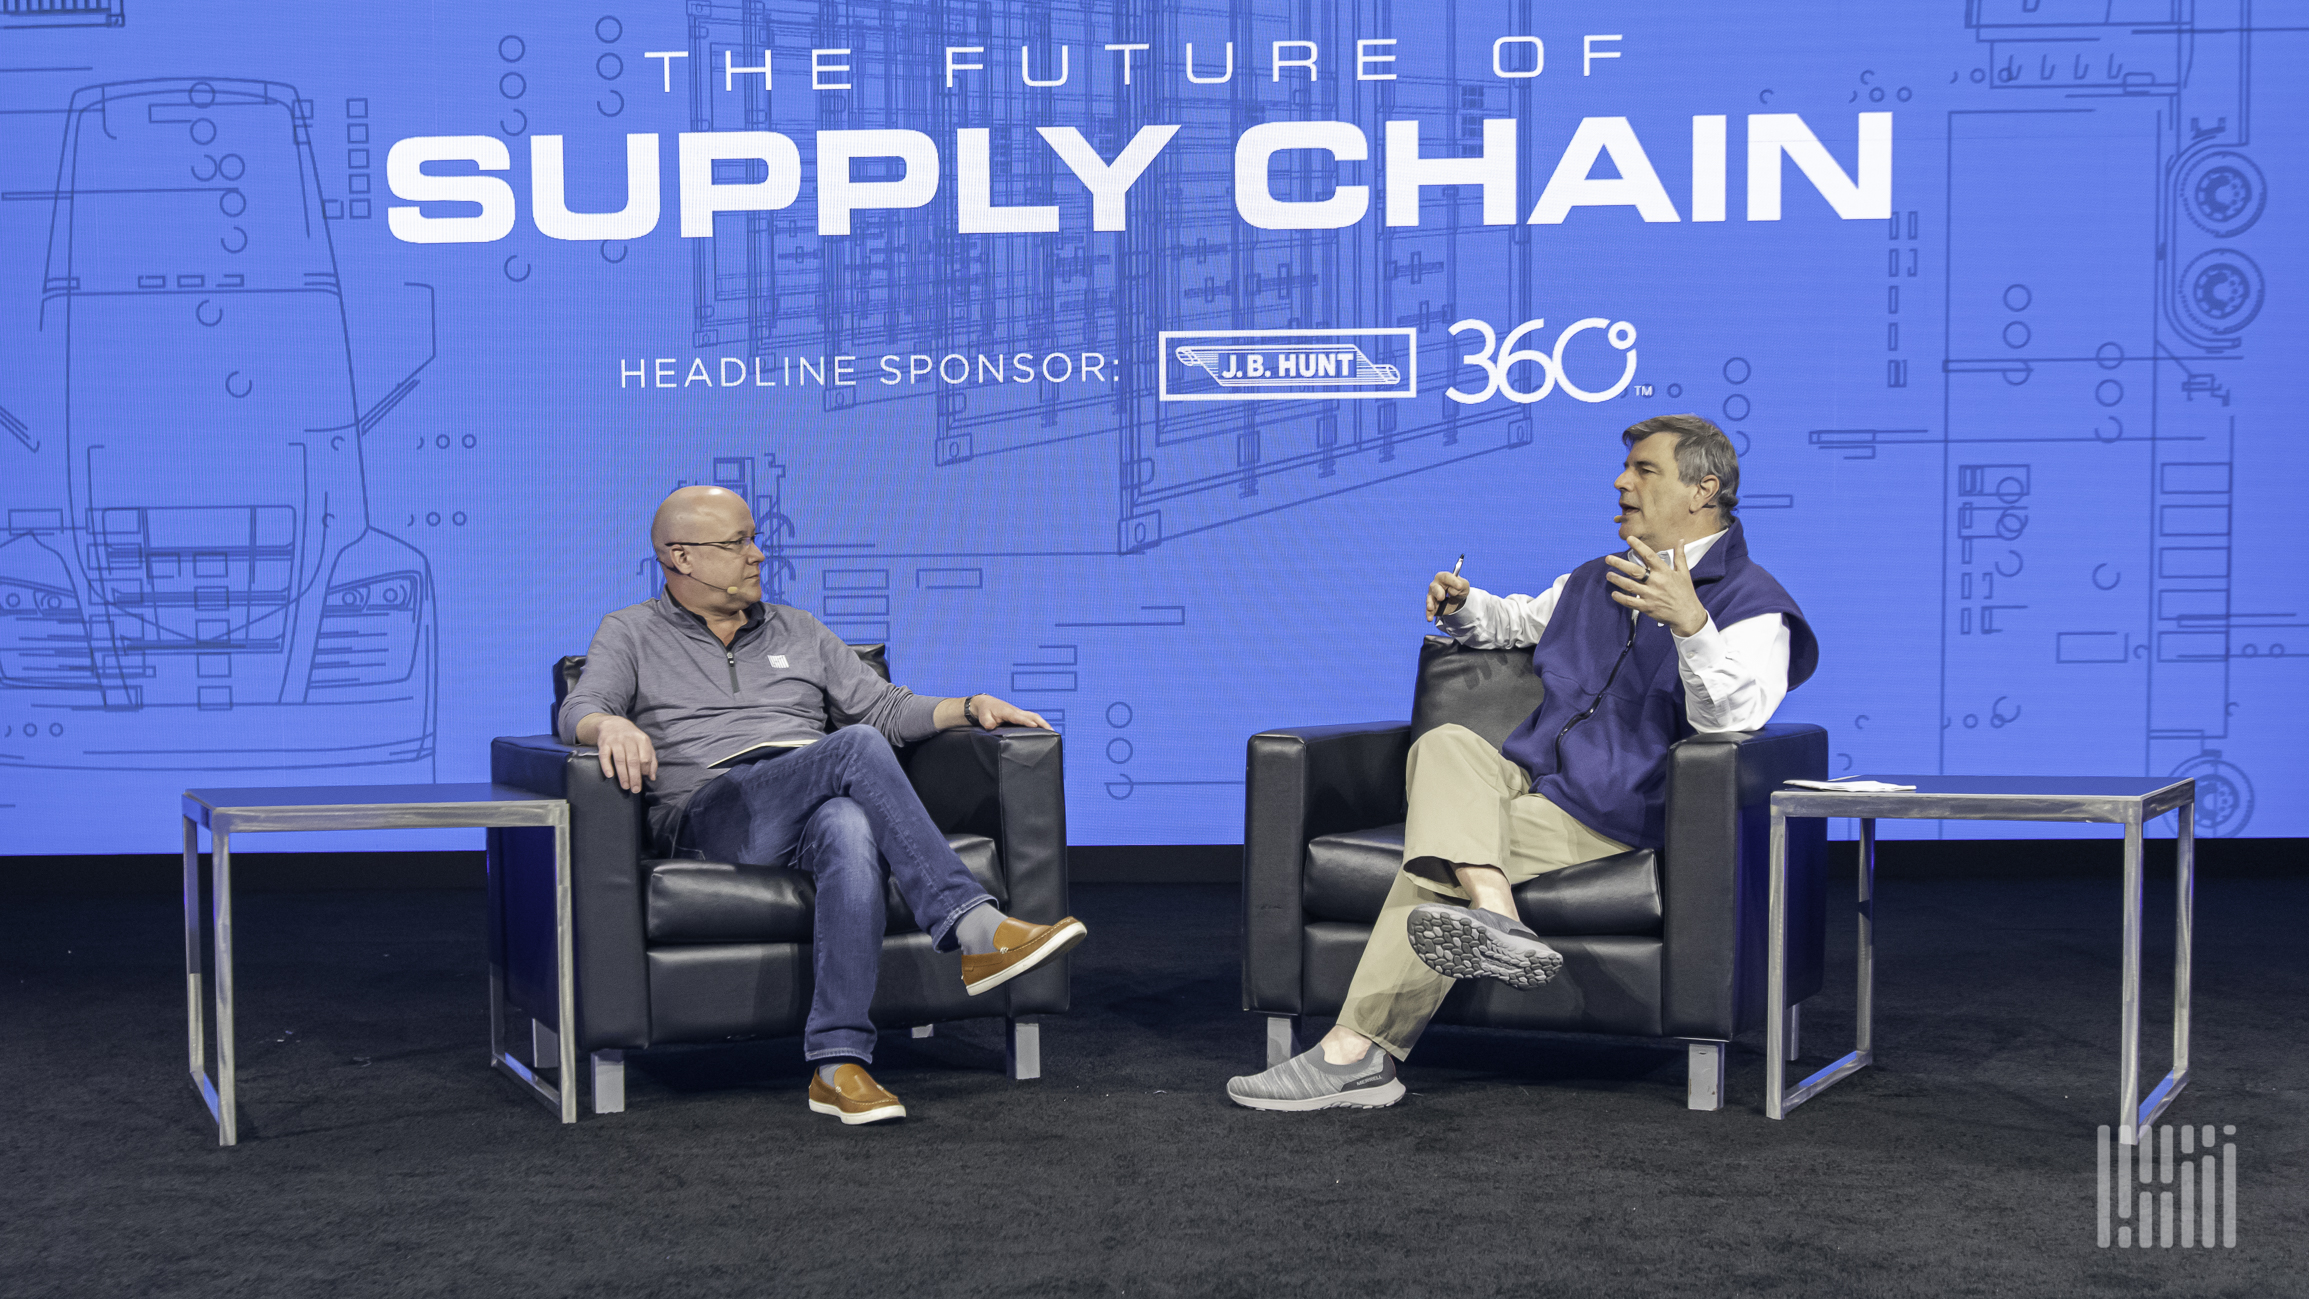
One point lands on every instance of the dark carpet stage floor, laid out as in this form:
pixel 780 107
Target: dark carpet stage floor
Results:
pixel 381 1156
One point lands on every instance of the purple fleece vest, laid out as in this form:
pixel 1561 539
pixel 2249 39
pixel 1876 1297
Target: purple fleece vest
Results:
pixel 1614 767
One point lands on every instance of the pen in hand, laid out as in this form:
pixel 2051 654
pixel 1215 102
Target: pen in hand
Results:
pixel 1437 616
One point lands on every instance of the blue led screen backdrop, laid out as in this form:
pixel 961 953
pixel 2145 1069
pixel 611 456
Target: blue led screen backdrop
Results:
pixel 1136 362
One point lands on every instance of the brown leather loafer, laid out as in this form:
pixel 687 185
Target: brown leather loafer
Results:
pixel 854 1098
pixel 1019 947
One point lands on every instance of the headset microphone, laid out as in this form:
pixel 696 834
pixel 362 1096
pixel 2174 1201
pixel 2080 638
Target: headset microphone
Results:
pixel 734 589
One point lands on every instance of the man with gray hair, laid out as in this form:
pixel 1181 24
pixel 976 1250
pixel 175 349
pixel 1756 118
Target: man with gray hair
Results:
pixel 1708 642
pixel 715 705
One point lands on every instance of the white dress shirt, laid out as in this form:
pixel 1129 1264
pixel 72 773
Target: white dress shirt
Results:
pixel 1734 677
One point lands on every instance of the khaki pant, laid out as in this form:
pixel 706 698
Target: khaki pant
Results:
pixel 1469 806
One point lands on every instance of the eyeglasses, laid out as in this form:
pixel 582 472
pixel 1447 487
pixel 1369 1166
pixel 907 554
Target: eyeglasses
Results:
pixel 732 546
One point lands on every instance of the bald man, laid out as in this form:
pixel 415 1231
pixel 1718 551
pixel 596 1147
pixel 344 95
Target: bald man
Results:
pixel 707 670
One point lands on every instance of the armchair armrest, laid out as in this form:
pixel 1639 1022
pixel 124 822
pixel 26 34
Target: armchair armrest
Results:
pixel 607 829
pixel 1008 784
pixel 1300 784
pixel 1715 881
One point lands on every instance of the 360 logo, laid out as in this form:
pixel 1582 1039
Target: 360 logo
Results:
pixel 1496 358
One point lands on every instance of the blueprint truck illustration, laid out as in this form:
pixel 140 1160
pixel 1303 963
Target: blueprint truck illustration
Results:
pixel 191 581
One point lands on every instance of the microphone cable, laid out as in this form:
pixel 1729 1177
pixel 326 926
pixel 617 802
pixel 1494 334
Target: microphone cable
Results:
pixel 1597 702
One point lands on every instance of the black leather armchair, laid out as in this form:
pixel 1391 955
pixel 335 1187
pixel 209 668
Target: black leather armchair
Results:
pixel 1656 945
pixel 679 950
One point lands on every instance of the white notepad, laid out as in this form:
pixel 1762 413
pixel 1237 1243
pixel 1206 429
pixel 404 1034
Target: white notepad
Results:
pixel 1852 786
pixel 752 751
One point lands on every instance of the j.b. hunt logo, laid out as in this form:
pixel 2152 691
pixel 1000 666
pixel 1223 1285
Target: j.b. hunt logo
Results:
pixel 1288 364
pixel 1273 367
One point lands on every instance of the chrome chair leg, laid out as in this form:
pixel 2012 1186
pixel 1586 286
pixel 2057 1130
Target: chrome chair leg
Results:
pixel 1704 1083
pixel 1022 1050
pixel 1282 1038
pixel 609 1082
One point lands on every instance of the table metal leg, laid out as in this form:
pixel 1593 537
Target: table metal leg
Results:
pixel 496 922
pixel 1864 1032
pixel 545 1093
pixel 2129 1030
pixel 1780 1020
pixel 565 964
pixel 561 1095
pixel 2184 937
pixel 2184 930
pixel 221 905
pixel 1776 972
pixel 195 983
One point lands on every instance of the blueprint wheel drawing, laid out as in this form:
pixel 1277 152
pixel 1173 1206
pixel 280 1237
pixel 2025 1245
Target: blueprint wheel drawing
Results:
pixel 2223 192
pixel 2224 795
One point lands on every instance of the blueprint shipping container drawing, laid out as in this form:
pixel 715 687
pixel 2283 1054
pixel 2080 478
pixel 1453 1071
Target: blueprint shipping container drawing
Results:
pixel 190 579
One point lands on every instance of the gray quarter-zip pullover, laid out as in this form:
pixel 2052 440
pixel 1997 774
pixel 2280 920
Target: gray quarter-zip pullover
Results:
pixel 782 677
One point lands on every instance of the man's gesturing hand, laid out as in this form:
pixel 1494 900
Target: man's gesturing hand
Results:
pixel 1660 589
pixel 627 756
pixel 1445 594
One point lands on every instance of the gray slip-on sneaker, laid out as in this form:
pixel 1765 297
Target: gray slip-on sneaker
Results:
pixel 1309 1082
pixel 1471 943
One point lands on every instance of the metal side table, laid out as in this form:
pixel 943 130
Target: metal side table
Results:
pixel 360 807
pixel 2130 801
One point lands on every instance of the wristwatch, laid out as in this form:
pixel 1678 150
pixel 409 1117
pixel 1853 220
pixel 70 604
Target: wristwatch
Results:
pixel 969 713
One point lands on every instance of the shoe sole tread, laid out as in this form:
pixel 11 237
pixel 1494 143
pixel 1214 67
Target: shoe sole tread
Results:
pixel 1460 948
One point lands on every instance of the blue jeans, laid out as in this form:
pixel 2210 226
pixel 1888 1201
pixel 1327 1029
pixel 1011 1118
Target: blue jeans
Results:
pixel 837 811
